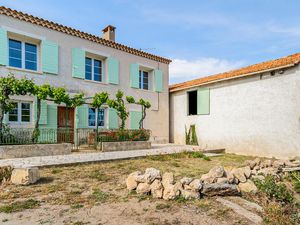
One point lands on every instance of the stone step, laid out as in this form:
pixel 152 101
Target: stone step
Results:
pixel 218 151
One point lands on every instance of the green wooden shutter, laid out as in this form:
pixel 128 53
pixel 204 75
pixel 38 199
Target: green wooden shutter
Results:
pixel 158 81
pixel 48 131
pixel 44 113
pixel 3 47
pixel 52 116
pixel 5 118
pixel 82 116
pixel 135 118
pixel 113 119
pixel 78 63
pixel 134 75
pixel 203 104
pixel 49 57
pixel 113 70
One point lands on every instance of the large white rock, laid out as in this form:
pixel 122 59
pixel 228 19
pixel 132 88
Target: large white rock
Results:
pixel 143 188
pixel 131 181
pixel 25 176
pixel 195 185
pixel 151 174
pixel 168 179
pixel 247 187
pixel 239 174
pixel 172 191
pixel 217 172
pixel 190 194
pixel 156 189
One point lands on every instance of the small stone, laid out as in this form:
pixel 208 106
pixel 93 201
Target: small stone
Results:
pixel 172 191
pixel 195 185
pixel 220 189
pixel 189 194
pixel 216 172
pixel 229 176
pixel 156 189
pixel 248 187
pixel 143 188
pixel 268 171
pixel 257 161
pixel 168 179
pixel 258 177
pixel 279 163
pixel 239 174
pixel 247 171
pixel 151 174
pixel 267 163
pixel 223 180
pixel 131 182
pixel 25 176
pixel 207 179
pixel 250 163
pixel 186 180
pixel 256 168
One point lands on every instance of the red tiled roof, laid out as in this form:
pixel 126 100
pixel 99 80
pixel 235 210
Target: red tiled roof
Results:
pixel 248 70
pixel 77 33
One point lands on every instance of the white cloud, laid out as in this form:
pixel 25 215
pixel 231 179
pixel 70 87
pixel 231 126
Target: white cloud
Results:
pixel 183 70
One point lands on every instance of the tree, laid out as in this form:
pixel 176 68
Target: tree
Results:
pixel 98 100
pixel 119 105
pixel 42 93
pixel 144 104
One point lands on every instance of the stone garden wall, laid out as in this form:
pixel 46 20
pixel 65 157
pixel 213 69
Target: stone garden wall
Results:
pixel 218 181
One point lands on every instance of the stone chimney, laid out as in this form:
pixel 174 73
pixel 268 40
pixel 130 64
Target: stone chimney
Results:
pixel 109 33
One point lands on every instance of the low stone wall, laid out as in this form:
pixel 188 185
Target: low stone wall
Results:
pixel 124 145
pixel 21 151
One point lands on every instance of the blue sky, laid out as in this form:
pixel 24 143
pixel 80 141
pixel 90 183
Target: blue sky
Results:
pixel 201 37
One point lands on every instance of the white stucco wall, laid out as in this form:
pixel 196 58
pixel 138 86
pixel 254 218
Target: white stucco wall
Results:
pixel 157 118
pixel 249 116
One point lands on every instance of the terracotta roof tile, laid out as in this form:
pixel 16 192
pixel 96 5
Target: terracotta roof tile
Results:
pixel 71 31
pixel 248 70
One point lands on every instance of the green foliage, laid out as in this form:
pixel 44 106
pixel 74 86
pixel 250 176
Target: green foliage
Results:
pixel 273 190
pixel 99 99
pixel 19 206
pixel 99 196
pixel 119 105
pixel 191 136
pixel 5 173
pixel 124 135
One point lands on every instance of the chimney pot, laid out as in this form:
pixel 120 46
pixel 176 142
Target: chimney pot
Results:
pixel 109 33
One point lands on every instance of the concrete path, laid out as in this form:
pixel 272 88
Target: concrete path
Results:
pixel 157 149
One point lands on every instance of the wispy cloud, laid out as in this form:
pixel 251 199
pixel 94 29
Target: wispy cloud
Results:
pixel 183 70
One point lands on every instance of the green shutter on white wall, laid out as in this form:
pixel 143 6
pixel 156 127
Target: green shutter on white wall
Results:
pixel 49 57
pixel 5 118
pixel 135 118
pixel 134 75
pixel 113 70
pixel 113 119
pixel 78 63
pixel 48 132
pixel 203 102
pixel 44 113
pixel 3 47
pixel 158 81
pixel 81 116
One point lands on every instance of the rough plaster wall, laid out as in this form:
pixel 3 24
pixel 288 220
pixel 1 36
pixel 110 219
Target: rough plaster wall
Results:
pixel 157 118
pixel 250 116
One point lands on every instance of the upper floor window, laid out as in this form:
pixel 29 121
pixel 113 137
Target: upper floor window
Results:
pixel 21 113
pixel 22 55
pixel 93 69
pixel 92 117
pixel 143 80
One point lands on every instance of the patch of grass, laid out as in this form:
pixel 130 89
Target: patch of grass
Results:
pixel 77 206
pixel 56 171
pixel 181 199
pixel 78 223
pixel 162 206
pixel 4 220
pixel 96 174
pixel 274 213
pixel 19 206
pixel 100 196
pixel 273 190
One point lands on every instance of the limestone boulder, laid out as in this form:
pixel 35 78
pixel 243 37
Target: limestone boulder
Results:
pixel 190 194
pixel 216 172
pixel 131 181
pixel 156 189
pixel 220 190
pixel 250 163
pixel 172 191
pixel 247 171
pixel 257 161
pixel 279 163
pixel 229 176
pixel 168 179
pixel 143 188
pixel 151 174
pixel 267 163
pixel 186 180
pixel 25 176
pixel 196 185
pixel 207 179
pixel 222 180
pixel 239 174
pixel 247 187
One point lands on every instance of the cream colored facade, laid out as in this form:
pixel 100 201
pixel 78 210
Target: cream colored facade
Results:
pixel 157 119
pixel 256 115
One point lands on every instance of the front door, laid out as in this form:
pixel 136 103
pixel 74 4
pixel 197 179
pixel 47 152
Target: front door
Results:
pixel 65 123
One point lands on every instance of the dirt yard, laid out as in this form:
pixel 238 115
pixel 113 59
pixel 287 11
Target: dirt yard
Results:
pixel 97 194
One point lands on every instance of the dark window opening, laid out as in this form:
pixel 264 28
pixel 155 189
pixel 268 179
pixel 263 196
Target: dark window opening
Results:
pixel 192 102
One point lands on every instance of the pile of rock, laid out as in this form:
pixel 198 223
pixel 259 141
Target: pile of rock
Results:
pixel 218 181
pixel 19 176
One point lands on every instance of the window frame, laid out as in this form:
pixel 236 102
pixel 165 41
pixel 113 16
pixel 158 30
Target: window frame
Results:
pixel 19 113
pixel 141 79
pixel 188 102
pixel 23 53
pixel 93 69
pixel 96 112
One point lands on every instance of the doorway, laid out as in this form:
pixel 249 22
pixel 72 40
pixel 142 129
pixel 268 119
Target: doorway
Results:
pixel 65 125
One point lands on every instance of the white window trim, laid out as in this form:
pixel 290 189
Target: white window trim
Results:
pixel 142 80
pixel 20 114
pixel 23 54
pixel 92 72
pixel 104 125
